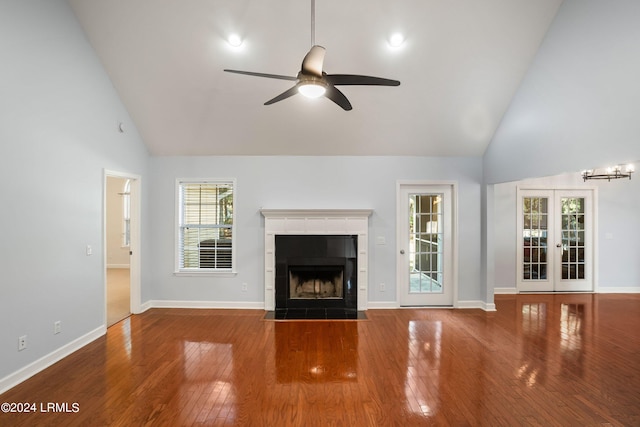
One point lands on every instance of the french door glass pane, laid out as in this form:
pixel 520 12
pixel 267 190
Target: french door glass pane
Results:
pixel 534 237
pixel 425 243
pixel 573 237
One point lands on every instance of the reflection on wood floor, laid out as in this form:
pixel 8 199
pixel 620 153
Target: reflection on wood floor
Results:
pixel 118 294
pixel 539 360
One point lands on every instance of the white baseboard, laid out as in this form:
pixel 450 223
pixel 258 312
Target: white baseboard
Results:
pixel 377 305
pixel 600 290
pixel 373 305
pixel 489 306
pixel 204 304
pixel 145 306
pixel 477 304
pixel 44 362
pixel 505 291
pixel 619 290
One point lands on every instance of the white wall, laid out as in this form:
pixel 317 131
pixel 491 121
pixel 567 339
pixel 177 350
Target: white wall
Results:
pixel 58 131
pixel 578 104
pixel 618 228
pixel 306 182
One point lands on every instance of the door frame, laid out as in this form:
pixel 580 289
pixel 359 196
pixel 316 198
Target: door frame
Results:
pixel 135 305
pixel 594 237
pixel 400 265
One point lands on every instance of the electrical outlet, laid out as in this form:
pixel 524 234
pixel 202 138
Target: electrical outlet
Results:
pixel 22 343
pixel 244 287
pixel 383 287
pixel 89 250
pixel 57 327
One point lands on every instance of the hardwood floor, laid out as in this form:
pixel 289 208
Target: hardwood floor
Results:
pixel 540 360
pixel 118 294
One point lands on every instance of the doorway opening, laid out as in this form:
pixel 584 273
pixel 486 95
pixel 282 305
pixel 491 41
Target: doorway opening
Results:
pixel 121 243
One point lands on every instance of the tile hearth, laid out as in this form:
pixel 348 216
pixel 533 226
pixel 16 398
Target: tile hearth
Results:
pixel 315 314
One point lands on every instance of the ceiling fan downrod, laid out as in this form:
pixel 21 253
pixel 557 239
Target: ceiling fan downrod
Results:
pixel 313 22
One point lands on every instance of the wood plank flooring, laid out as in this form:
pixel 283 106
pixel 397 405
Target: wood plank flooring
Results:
pixel 118 294
pixel 540 360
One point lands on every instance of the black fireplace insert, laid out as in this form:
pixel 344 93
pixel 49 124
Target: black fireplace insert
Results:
pixel 316 272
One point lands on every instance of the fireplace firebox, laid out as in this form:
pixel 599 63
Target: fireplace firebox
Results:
pixel 314 282
pixel 316 272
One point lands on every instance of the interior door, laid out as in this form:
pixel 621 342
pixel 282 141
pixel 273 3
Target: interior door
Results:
pixel 555 242
pixel 425 245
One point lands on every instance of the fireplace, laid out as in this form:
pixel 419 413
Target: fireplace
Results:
pixel 316 272
pixel 316 222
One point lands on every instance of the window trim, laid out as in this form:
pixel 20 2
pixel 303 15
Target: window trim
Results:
pixel 176 247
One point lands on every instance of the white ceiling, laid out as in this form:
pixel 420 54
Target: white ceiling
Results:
pixel 459 69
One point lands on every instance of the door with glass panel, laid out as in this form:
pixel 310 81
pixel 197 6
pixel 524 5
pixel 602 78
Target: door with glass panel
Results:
pixel 555 240
pixel 425 245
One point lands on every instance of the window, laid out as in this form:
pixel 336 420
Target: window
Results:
pixel 126 214
pixel 206 226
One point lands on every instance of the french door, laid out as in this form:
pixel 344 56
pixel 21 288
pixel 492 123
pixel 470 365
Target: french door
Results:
pixel 425 245
pixel 555 240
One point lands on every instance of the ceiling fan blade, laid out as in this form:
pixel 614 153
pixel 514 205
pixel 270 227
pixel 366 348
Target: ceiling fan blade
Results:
pixel 269 76
pixel 338 97
pixel 284 95
pixel 355 79
pixel 312 62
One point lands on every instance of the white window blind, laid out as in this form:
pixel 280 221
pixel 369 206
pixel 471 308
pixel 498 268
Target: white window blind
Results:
pixel 205 229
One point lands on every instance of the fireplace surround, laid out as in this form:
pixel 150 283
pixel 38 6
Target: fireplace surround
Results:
pixel 319 222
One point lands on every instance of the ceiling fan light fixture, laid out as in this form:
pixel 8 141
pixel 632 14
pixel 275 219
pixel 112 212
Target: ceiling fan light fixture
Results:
pixel 313 82
pixel 312 89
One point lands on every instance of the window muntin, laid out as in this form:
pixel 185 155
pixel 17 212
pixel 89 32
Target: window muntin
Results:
pixel 206 226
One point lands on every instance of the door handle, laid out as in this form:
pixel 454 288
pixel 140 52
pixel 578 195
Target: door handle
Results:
pixel 558 245
pixel 402 251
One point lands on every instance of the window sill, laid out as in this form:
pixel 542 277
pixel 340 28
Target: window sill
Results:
pixel 205 273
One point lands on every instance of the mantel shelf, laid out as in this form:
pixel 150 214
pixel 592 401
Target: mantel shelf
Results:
pixel 315 213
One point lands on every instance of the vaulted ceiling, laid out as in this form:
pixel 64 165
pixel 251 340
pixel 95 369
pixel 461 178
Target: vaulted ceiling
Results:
pixel 459 67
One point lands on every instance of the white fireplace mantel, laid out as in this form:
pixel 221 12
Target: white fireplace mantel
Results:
pixel 318 222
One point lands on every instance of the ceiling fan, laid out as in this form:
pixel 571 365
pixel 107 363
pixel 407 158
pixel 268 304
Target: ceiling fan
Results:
pixel 313 82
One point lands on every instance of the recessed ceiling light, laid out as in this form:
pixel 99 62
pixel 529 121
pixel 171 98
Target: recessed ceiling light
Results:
pixel 396 40
pixel 234 40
